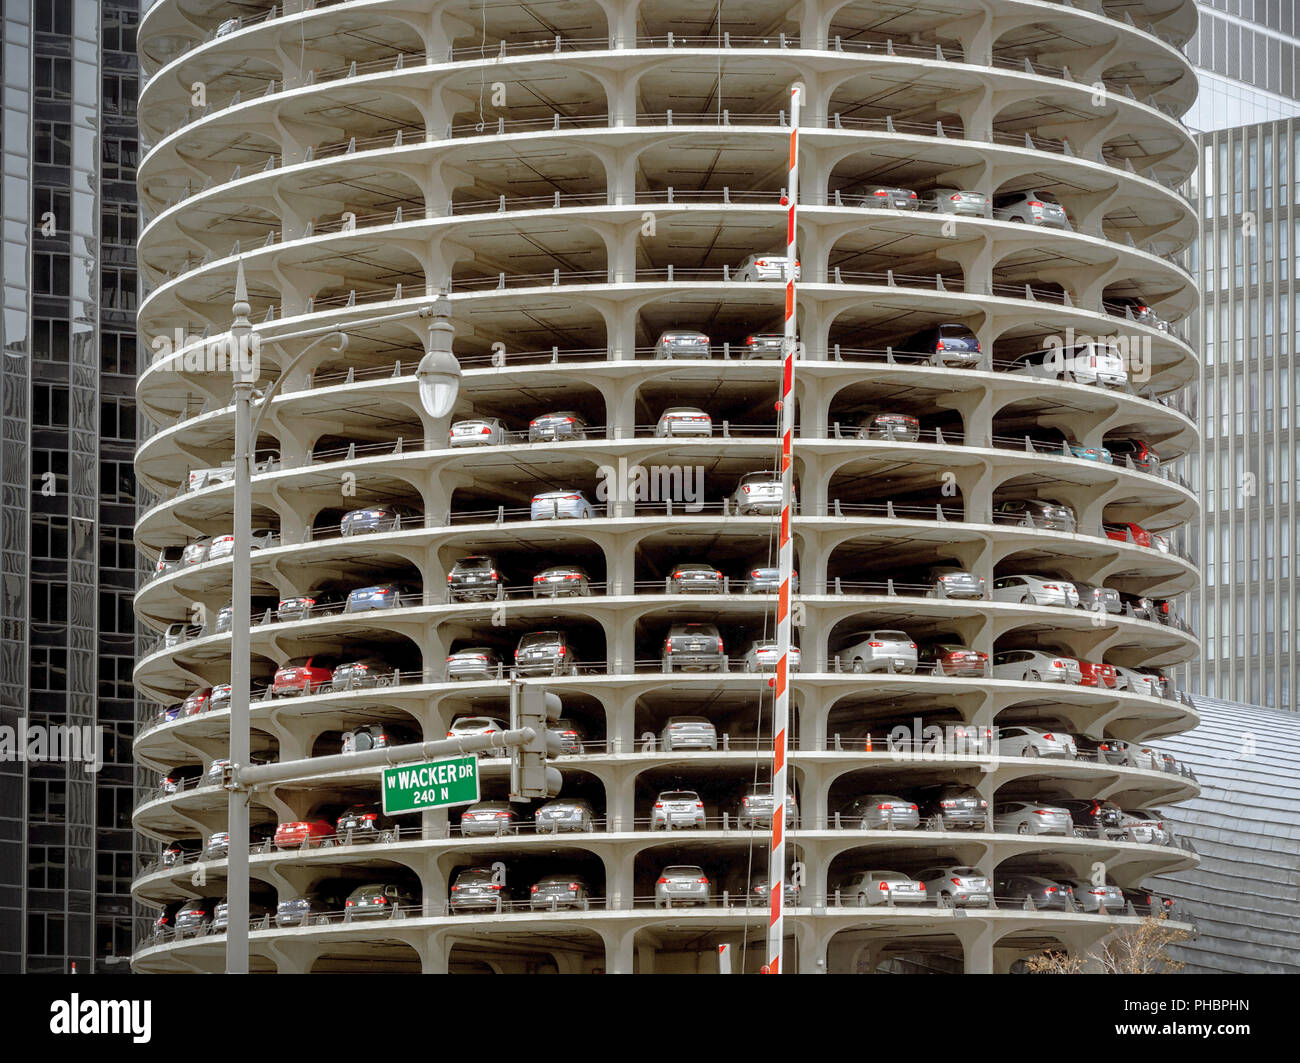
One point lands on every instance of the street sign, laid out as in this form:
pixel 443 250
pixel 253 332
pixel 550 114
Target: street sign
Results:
pixel 420 787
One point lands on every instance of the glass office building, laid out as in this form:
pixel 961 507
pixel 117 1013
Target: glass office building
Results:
pixel 1247 54
pixel 67 488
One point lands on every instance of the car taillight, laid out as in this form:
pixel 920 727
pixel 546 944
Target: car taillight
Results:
pixel 349 903
pixel 719 645
pixel 1034 203
pixel 884 807
pixel 571 498
pixel 1049 738
pixel 954 198
pixel 912 807
pixel 662 881
pixel 913 195
pixel 956 881
pixel 532 889
pixel 1051 889
pixel 1058 664
pixel 922 885
pixel 881 192
pixel 1050 587
pixel 659 804
pixel 884 885
pixel 939 346
pixel 877 645
pixel 699 804
pixel 745 488
pixel 949 804
pixel 702 880
pixel 749 341
pixel 381 900
pixel 1041 812
pixel 503 815
pixel 760 262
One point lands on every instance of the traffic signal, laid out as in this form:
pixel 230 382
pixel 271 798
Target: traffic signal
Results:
pixel 530 775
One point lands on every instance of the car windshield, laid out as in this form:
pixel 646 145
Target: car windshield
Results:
pixel 474 563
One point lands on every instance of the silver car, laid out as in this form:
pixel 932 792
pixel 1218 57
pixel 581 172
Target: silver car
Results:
pixel 489 817
pixel 196 552
pixel 1092 898
pixel 686 421
pixel 1035 590
pixel 763 657
pixel 868 888
pixel 961 886
pixel 473 662
pixel 562 581
pixel 561 505
pixel 880 651
pixel 477 887
pixel 675 809
pixel 1035 666
pixel 694 578
pixel 887 198
pixel 957 201
pixel 766 579
pixel 694 646
pixel 565 814
pixel 1033 207
pixel 1136 682
pixel 688 732
pixel 1098 599
pixel 1017 741
pixel 545 653
pixel 763 345
pixel 956 583
pixel 565 424
pixel 478 432
pixel 682 884
pixel 467 726
pixel 1032 817
pixel 559 891
pixel 1145 826
pixel 879 812
pixel 201 478
pixel 682 343
pixel 758 493
pixel 756 807
pixel 768 267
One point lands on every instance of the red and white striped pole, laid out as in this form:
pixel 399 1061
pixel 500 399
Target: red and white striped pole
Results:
pixel 785 561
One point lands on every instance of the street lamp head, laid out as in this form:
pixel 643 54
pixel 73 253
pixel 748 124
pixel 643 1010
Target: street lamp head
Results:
pixel 438 374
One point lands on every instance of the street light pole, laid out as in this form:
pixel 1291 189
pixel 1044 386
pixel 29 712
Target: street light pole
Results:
pixel 785 563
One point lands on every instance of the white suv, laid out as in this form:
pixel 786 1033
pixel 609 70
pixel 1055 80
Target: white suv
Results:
pixel 1035 590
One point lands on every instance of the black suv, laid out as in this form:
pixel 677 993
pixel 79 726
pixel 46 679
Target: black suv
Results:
pixel 947 344
pixel 1095 819
pixel 311 906
pixel 475 579
pixel 364 823
pixel 958 807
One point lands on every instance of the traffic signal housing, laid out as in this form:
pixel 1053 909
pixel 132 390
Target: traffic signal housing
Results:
pixel 530 775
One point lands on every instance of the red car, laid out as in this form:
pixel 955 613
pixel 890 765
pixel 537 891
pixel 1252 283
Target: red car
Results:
pixel 197 702
pixel 1097 674
pixel 304 834
pixel 949 659
pixel 303 675
pixel 1123 531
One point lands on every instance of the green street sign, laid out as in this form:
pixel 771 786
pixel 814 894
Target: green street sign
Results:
pixel 420 787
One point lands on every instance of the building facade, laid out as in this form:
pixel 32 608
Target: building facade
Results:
pixel 601 198
pixel 1246 468
pixel 1247 56
pixel 68 507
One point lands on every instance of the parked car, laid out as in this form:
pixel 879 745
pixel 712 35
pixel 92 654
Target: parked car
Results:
pixel 1103 750
pixel 303 675
pixel 1126 531
pixel 952 660
pixel 227 27
pixel 364 673
pixel 1021 741
pixel 489 817
pixel 375 736
pixel 688 732
pixel 571 736
pixel 869 888
pixel 559 891
pixel 309 606
pixel 763 345
pixel 195 916
pixel 221 913
pixel 477 432
pixel 694 646
pixel 224 545
pixel 561 505
pixel 545 653
pixel 1045 893
pixel 694 578
pixel 757 806
pixel 1098 364
pixel 1126 449
pixel 1141 312
pixel 1134 682
pixel 1098 599
pixel 478 887
pixel 1035 590
pixel 762 656
pixel 307 908
pixel 469 726
pixel 474 579
pixel 892 427
pixel 565 814
pixel 765 267
pixel 303 833
pixel 195 553
pixel 210 477
pixel 1095 819
pixel 959 885
pixel 165 924
pixel 383 596
pixel 884 197
pixel 555 427
pixel 1031 817
pixel 879 812
pixel 364 823
pixel 688 421
pixel 956 201
pixel 473 662
pixel 758 897
pixel 766 579
pixel 682 343
pixel 562 581
pixel 1098 454
pixel 1036 666
pixel 383 518
pixel 1140 607
pixel 1036 513
pixel 377 899
pixel 197 702
pixel 260 607
pixel 758 493
pixel 675 809
pixel 169 559
pixel 950 582
pixel 949 344
pixel 879 651
pixel 681 884
pixel 1031 207
pixel 1145 826
pixel 958 807
pixel 1097 674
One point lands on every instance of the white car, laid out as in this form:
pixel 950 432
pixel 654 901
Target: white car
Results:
pixel 868 888
pixel 473 662
pixel 1035 590
pixel 201 478
pixel 683 421
pixel 224 545
pixel 227 27
pixel 879 651
pixel 758 493
pixel 1032 817
pixel 1136 682
pixel 688 732
pixel 1086 363
pixel 965 887
pixel 196 552
pixel 769 267
pixel 1036 666
pixel 762 657
pixel 479 432
pixel 467 726
pixel 1017 741
pixel 1144 826
pixel 561 505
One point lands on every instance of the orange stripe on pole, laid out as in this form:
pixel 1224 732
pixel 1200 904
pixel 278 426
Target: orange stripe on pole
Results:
pixel 778 760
